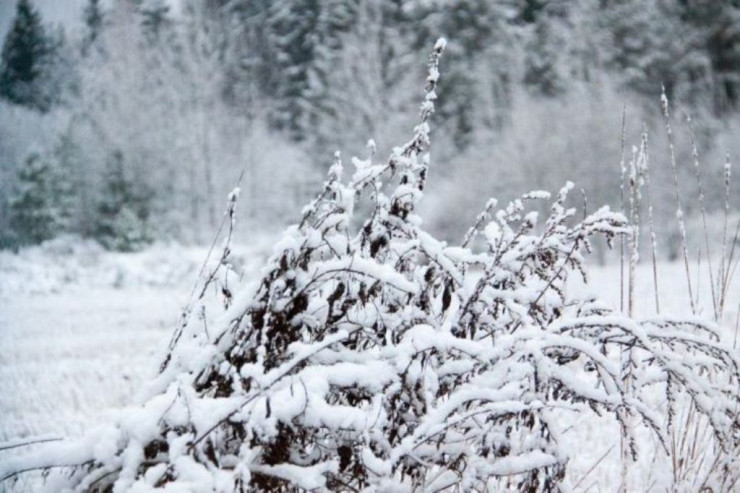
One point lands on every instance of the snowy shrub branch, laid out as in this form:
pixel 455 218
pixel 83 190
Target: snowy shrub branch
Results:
pixel 372 356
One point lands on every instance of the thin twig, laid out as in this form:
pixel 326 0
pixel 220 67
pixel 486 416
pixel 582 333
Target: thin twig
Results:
pixel 13 474
pixel 653 241
pixel 622 174
pixel 33 441
pixel 600 459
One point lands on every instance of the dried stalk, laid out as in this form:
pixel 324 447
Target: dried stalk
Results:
pixel 653 240
pixel 703 210
pixel 679 205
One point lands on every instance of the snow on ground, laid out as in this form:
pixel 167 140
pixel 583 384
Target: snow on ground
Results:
pixel 67 356
pixel 81 329
pixel 69 263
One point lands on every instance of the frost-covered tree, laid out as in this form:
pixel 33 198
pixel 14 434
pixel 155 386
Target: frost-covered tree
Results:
pixel 60 83
pixel 37 206
pixel 363 86
pixel 145 94
pixel 542 71
pixel 719 25
pixel 22 131
pixel 123 212
pixel 654 45
pixel 485 49
pixel 76 189
pixel 304 34
pixel 370 355
pixel 692 48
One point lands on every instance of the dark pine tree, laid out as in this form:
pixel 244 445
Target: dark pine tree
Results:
pixel 24 54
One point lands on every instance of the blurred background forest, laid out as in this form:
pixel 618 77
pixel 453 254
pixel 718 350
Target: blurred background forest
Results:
pixel 131 120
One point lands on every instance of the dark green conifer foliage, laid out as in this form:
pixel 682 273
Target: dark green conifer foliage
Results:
pixel 25 51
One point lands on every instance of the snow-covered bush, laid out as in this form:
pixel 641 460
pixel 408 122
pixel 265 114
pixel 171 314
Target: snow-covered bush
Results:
pixel 371 356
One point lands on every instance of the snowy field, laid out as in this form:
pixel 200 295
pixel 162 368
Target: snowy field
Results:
pixel 81 329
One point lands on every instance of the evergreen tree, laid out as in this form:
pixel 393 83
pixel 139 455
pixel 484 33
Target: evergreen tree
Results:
pixel 719 26
pixel 25 52
pixel 531 9
pixel 541 71
pixel 249 57
pixel 482 66
pixel 122 213
pixel 292 27
pixel 360 89
pixel 35 213
pixel 305 34
pixel 92 15
pixel 154 17
pixel 59 84
pixel 652 43
pixel 72 186
pixel 693 48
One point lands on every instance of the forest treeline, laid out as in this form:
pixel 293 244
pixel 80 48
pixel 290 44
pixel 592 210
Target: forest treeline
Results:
pixel 133 125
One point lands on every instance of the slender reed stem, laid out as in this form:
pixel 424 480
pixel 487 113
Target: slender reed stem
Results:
pixel 737 327
pixel 635 182
pixel 653 240
pixel 622 173
pixel 679 205
pixel 703 209
pixel 725 262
